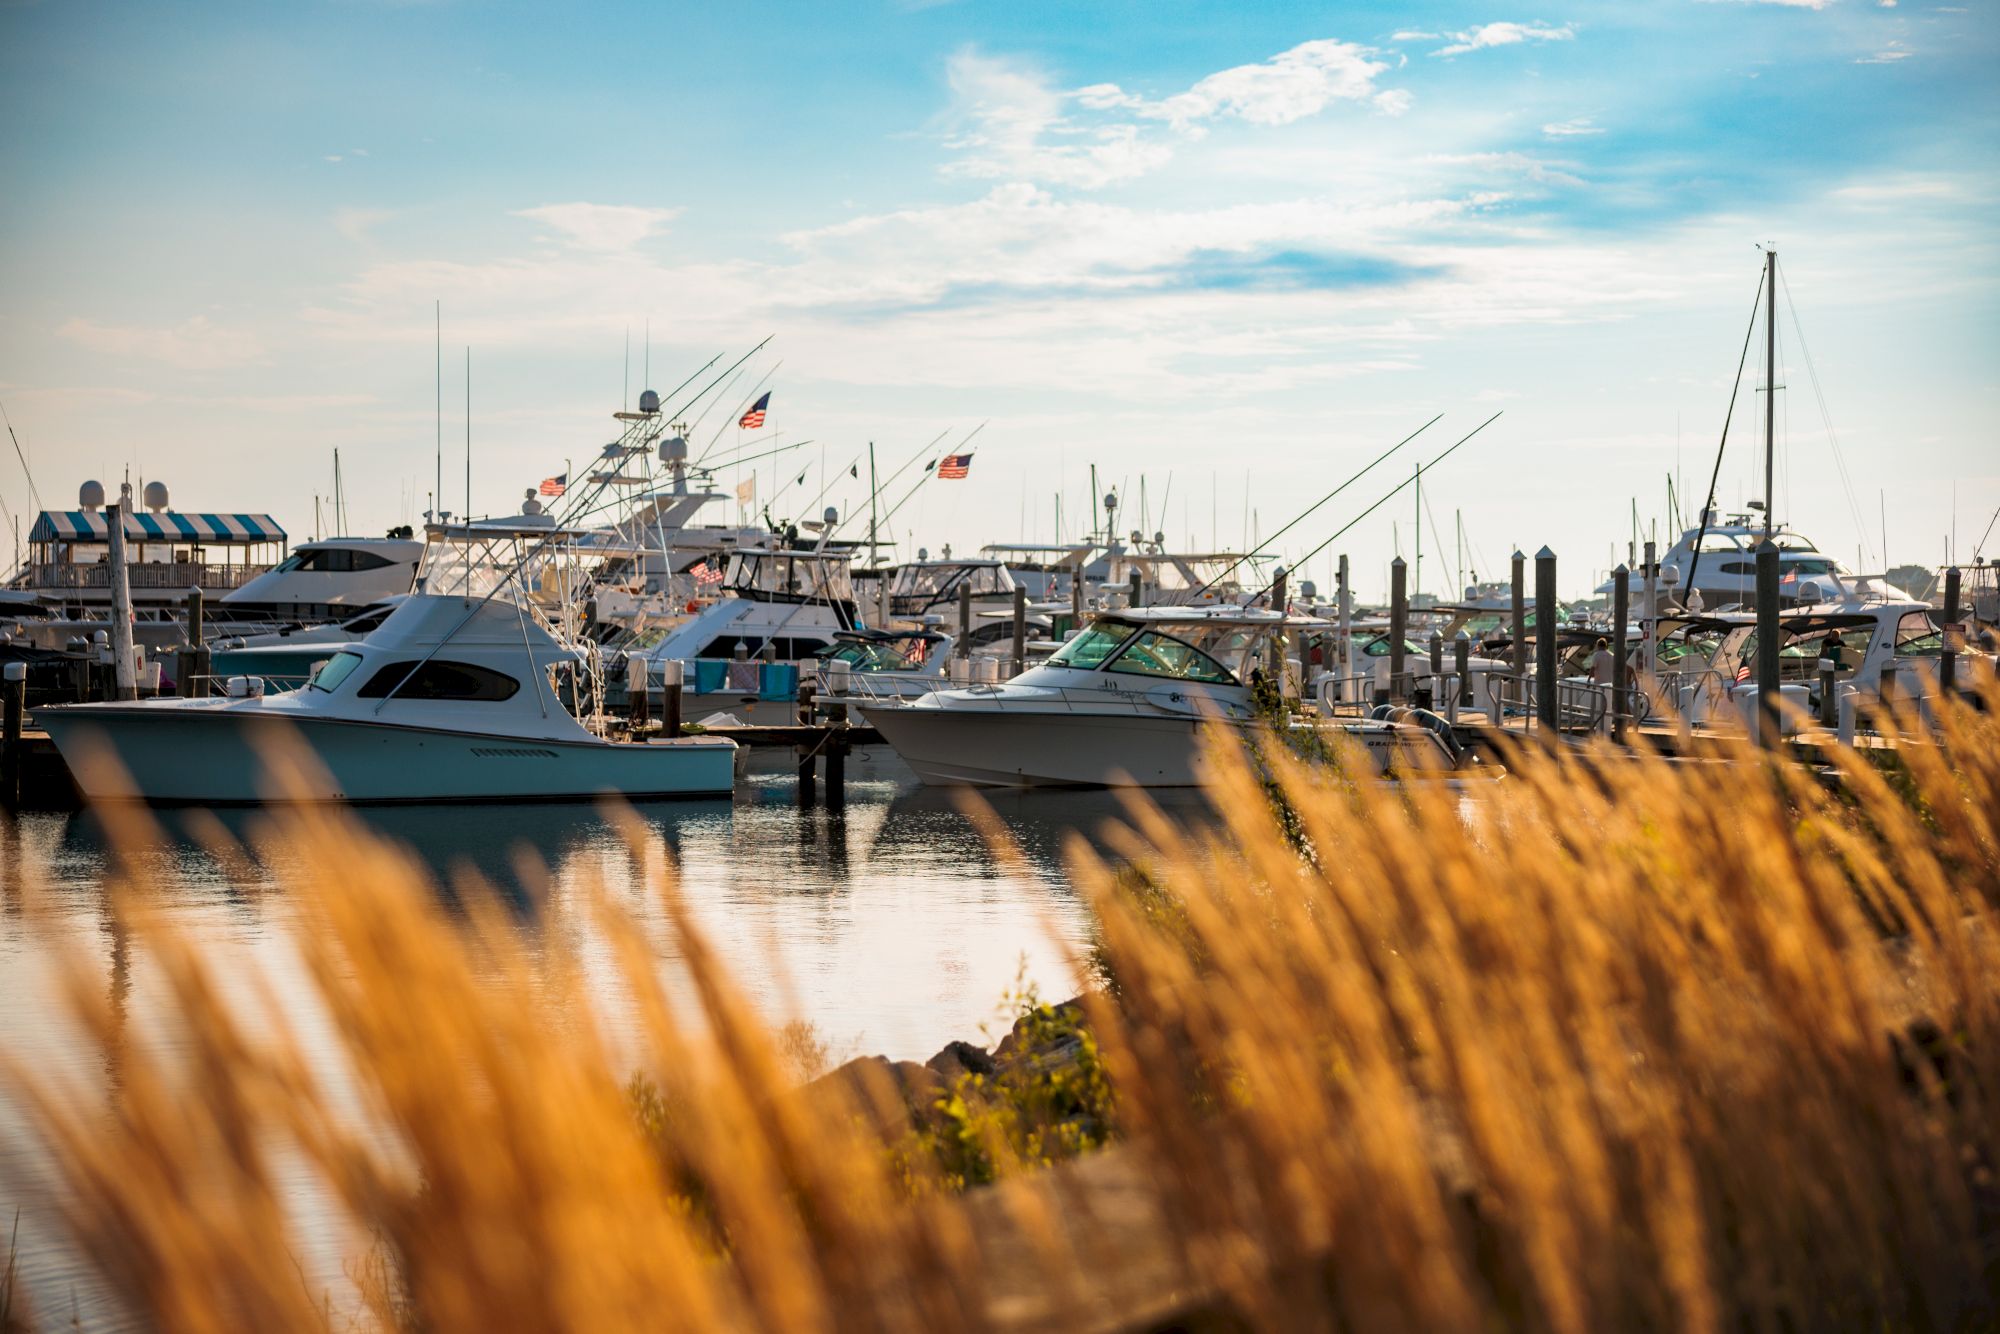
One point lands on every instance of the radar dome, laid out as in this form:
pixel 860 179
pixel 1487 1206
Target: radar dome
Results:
pixel 1111 501
pixel 649 401
pixel 1159 539
pixel 674 449
pixel 90 495
pixel 156 496
pixel 830 515
pixel 923 553
pixel 531 505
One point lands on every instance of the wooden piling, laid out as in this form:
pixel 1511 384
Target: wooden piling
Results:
pixel 1621 597
pixel 1136 597
pixel 1768 730
pixel 1948 663
pixel 1461 653
pixel 809 751
pixel 1519 625
pixel 671 677
pixel 964 647
pixel 1399 626
pixel 1020 630
pixel 1076 598
pixel 14 706
pixel 1546 618
pixel 836 767
pixel 124 676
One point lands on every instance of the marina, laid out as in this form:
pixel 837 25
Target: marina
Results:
pixel 1024 669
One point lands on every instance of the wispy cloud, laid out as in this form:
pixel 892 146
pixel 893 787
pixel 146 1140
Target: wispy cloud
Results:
pixel 196 344
pixel 355 223
pixel 1502 34
pixel 1571 129
pixel 1787 4
pixel 1888 55
pixel 607 227
pixel 1016 124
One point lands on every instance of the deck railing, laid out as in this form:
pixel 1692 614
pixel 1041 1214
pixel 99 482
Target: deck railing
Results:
pixel 141 574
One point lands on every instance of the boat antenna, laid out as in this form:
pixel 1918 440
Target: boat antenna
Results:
pixel 22 455
pixel 437 490
pixel 1770 392
pixel 874 490
pixel 1321 501
pixel 468 435
pixel 1342 530
pixel 1715 476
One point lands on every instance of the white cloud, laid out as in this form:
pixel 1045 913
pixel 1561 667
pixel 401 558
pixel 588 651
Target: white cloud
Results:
pixel 1503 34
pixel 196 344
pixel 1788 4
pixel 1020 126
pixel 1571 129
pixel 1889 55
pixel 1548 171
pixel 608 227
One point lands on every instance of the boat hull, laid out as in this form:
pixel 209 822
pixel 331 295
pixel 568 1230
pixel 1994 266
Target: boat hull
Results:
pixel 220 757
pixel 952 747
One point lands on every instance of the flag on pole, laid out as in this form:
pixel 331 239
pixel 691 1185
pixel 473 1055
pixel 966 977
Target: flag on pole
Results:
pixel 754 419
pixel 953 467
pixel 555 486
pixel 746 490
pixel 705 574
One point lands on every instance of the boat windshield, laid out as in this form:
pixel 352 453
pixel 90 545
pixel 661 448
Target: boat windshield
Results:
pixel 863 656
pixel 1088 650
pixel 1154 654
pixel 1918 636
pixel 329 674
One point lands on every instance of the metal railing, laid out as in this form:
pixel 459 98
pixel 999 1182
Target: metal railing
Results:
pixel 142 574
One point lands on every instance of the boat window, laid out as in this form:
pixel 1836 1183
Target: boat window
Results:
pixel 1917 636
pixel 329 674
pixel 1805 565
pixel 438 679
pixel 1089 649
pixel 333 560
pixel 1747 567
pixel 1155 654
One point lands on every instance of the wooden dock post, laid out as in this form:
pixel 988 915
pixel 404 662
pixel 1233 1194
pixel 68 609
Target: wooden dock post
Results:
pixel 1137 596
pixel 1519 626
pixel 1345 648
pixel 964 646
pixel 1437 668
pixel 836 767
pixel 1546 619
pixel 1768 730
pixel 1274 652
pixel 671 677
pixel 124 675
pixel 1461 661
pixel 14 689
pixel 807 751
pixel 1020 630
pixel 1621 597
pixel 1829 693
pixel 638 690
pixel 1076 598
pixel 1399 627
pixel 1948 663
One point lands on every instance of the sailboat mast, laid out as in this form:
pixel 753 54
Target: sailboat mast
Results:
pixel 1770 391
pixel 873 490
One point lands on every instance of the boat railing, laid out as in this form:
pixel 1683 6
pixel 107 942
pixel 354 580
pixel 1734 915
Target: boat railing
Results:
pixel 179 575
pixel 1580 705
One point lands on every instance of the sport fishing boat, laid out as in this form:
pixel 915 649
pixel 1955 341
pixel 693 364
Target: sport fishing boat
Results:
pixel 1122 704
pixel 452 699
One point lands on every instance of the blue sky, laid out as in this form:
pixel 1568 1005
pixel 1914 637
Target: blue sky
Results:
pixel 1242 246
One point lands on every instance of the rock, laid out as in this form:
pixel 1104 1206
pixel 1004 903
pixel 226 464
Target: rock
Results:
pixel 959 1059
pixel 1038 1049
pixel 890 1095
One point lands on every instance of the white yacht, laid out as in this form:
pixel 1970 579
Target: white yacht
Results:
pixel 326 580
pixel 452 699
pixel 1718 560
pixel 1121 704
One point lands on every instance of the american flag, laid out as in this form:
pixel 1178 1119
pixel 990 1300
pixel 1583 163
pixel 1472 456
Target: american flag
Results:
pixel 555 486
pixel 952 467
pixel 754 419
pixel 705 574
pixel 1745 672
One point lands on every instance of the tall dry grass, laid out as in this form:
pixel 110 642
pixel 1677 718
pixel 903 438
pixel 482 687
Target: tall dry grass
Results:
pixel 1615 1044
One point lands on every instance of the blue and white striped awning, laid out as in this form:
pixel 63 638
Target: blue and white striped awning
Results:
pixel 208 529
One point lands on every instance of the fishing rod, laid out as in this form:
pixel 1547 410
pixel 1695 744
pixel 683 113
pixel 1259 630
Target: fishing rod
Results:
pixel 21 454
pixel 1316 504
pixel 929 472
pixel 748 458
pixel 853 469
pixel 886 482
pixel 747 399
pixel 727 372
pixel 1386 498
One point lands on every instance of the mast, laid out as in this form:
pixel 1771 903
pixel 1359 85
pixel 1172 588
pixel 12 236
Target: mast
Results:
pixel 872 492
pixel 1770 390
pixel 437 489
pixel 1417 526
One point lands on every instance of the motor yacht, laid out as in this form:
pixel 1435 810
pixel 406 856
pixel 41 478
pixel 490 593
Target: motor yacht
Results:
pixel 1122 703
pixel 452 699
pixel 330 579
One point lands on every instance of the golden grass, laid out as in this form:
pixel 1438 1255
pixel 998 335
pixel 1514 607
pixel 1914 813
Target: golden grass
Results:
pixel 1619 1044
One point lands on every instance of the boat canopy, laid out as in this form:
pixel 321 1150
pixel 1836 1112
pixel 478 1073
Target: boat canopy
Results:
pixel 170 526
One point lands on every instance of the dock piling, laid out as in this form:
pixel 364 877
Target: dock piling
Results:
pixel 1020 630
pixel 807 753
pixel 964 647
pixel 1948 662
pixel 1621 596
pixel 671 679
pixel 1546 617
pixel 1520 625
pixel 1461 655
pixel 124 674
pixel 1399 626
pixel 14 689
pixel 1137 596
pixel 1076 598
pixel 1768 730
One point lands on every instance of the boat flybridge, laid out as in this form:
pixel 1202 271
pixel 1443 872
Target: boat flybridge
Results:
pixel 474 688
pixel 1123 704
pixel 328 579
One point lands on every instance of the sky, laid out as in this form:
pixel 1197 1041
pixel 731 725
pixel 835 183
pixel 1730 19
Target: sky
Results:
pixel 1226 254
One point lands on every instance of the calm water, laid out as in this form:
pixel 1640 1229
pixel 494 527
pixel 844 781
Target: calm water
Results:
pixel 888 926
